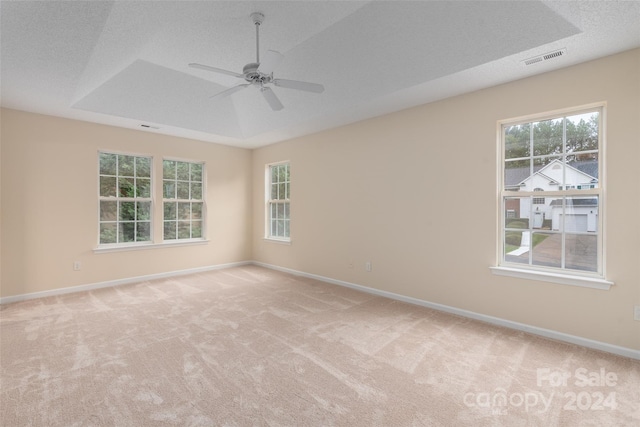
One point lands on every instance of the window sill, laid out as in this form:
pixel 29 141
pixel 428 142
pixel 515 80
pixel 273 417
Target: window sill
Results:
pixel 544 276
pixel 143 246
pixel 279 241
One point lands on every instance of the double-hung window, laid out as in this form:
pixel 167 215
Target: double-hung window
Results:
pixel 551 194
pixel 183 202
pixel 125 198
pixel 278 194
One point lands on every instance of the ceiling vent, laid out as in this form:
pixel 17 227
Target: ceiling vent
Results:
pixel 547 56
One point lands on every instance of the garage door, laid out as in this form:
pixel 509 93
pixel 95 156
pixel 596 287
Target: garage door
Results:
pixel 574 222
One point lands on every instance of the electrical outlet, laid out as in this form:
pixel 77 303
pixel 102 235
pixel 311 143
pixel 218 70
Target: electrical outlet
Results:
pixel 367 266
pixel 77 265
pixel 636 312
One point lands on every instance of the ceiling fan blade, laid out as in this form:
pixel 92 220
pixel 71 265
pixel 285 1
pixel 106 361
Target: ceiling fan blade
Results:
pixel 272 99
pixel 270 61
pixel 294 84
pixel 216 70
pixel 229 91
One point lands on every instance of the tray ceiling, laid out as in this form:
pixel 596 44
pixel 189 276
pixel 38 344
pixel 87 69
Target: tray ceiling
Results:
pixel 124 63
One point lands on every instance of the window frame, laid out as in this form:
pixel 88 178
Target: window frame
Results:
pixel 553 274
pixel 202 201
pixel 270 202
pixel 118 199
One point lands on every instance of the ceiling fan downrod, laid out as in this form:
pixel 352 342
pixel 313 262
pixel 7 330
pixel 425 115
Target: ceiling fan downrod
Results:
pixel 257 19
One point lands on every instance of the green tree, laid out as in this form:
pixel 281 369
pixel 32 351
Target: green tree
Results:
pixel 517 141
pixel 547 139
pixel 582 135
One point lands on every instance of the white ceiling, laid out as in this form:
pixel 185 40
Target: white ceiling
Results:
pixel 124 63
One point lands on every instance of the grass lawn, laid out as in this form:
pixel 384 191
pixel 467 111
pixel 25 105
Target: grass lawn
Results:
pixel 537 238
pixel 510 248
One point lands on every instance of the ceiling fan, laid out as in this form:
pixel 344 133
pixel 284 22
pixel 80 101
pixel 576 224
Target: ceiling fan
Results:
pixel 259 74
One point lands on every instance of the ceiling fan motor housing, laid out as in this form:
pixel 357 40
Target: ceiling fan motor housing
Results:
pixel 252 75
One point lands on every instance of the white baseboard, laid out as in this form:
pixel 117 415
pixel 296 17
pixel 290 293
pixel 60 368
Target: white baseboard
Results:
pixel 548 333
pixel 109 283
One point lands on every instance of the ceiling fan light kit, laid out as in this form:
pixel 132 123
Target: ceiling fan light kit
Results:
pixel 260 73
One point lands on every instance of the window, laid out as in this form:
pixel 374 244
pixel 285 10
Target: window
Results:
pixel 183 203
pixel 586 186
pixel 538 200
pixel 278 194
pixel 551 221
pixel 125 198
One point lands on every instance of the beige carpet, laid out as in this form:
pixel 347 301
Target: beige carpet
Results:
pixel 249 346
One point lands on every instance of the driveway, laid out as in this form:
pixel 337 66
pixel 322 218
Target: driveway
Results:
pixel 581 252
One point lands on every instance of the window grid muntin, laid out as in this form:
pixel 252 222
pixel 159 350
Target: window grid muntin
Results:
pixel 565 191
pixel 118 224
pixel 187 220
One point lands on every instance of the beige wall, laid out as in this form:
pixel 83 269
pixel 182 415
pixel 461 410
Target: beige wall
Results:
pixel 50 208
pixel 0 203
pixel 384 190
pixel 415 193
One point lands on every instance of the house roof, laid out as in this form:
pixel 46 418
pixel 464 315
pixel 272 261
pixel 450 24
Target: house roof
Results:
pixel 515 176
pixel 589 167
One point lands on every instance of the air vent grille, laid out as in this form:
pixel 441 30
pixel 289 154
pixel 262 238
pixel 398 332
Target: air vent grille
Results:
pixel 545 57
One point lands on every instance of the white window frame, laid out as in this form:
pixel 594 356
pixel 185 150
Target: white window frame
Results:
pixel 177 200
pixel 550 274
pixel 119 199
pixel 269 202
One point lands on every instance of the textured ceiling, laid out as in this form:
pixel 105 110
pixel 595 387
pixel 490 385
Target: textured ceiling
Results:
pixel 124 63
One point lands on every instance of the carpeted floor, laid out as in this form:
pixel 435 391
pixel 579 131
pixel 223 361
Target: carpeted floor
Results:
pixel 249 346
